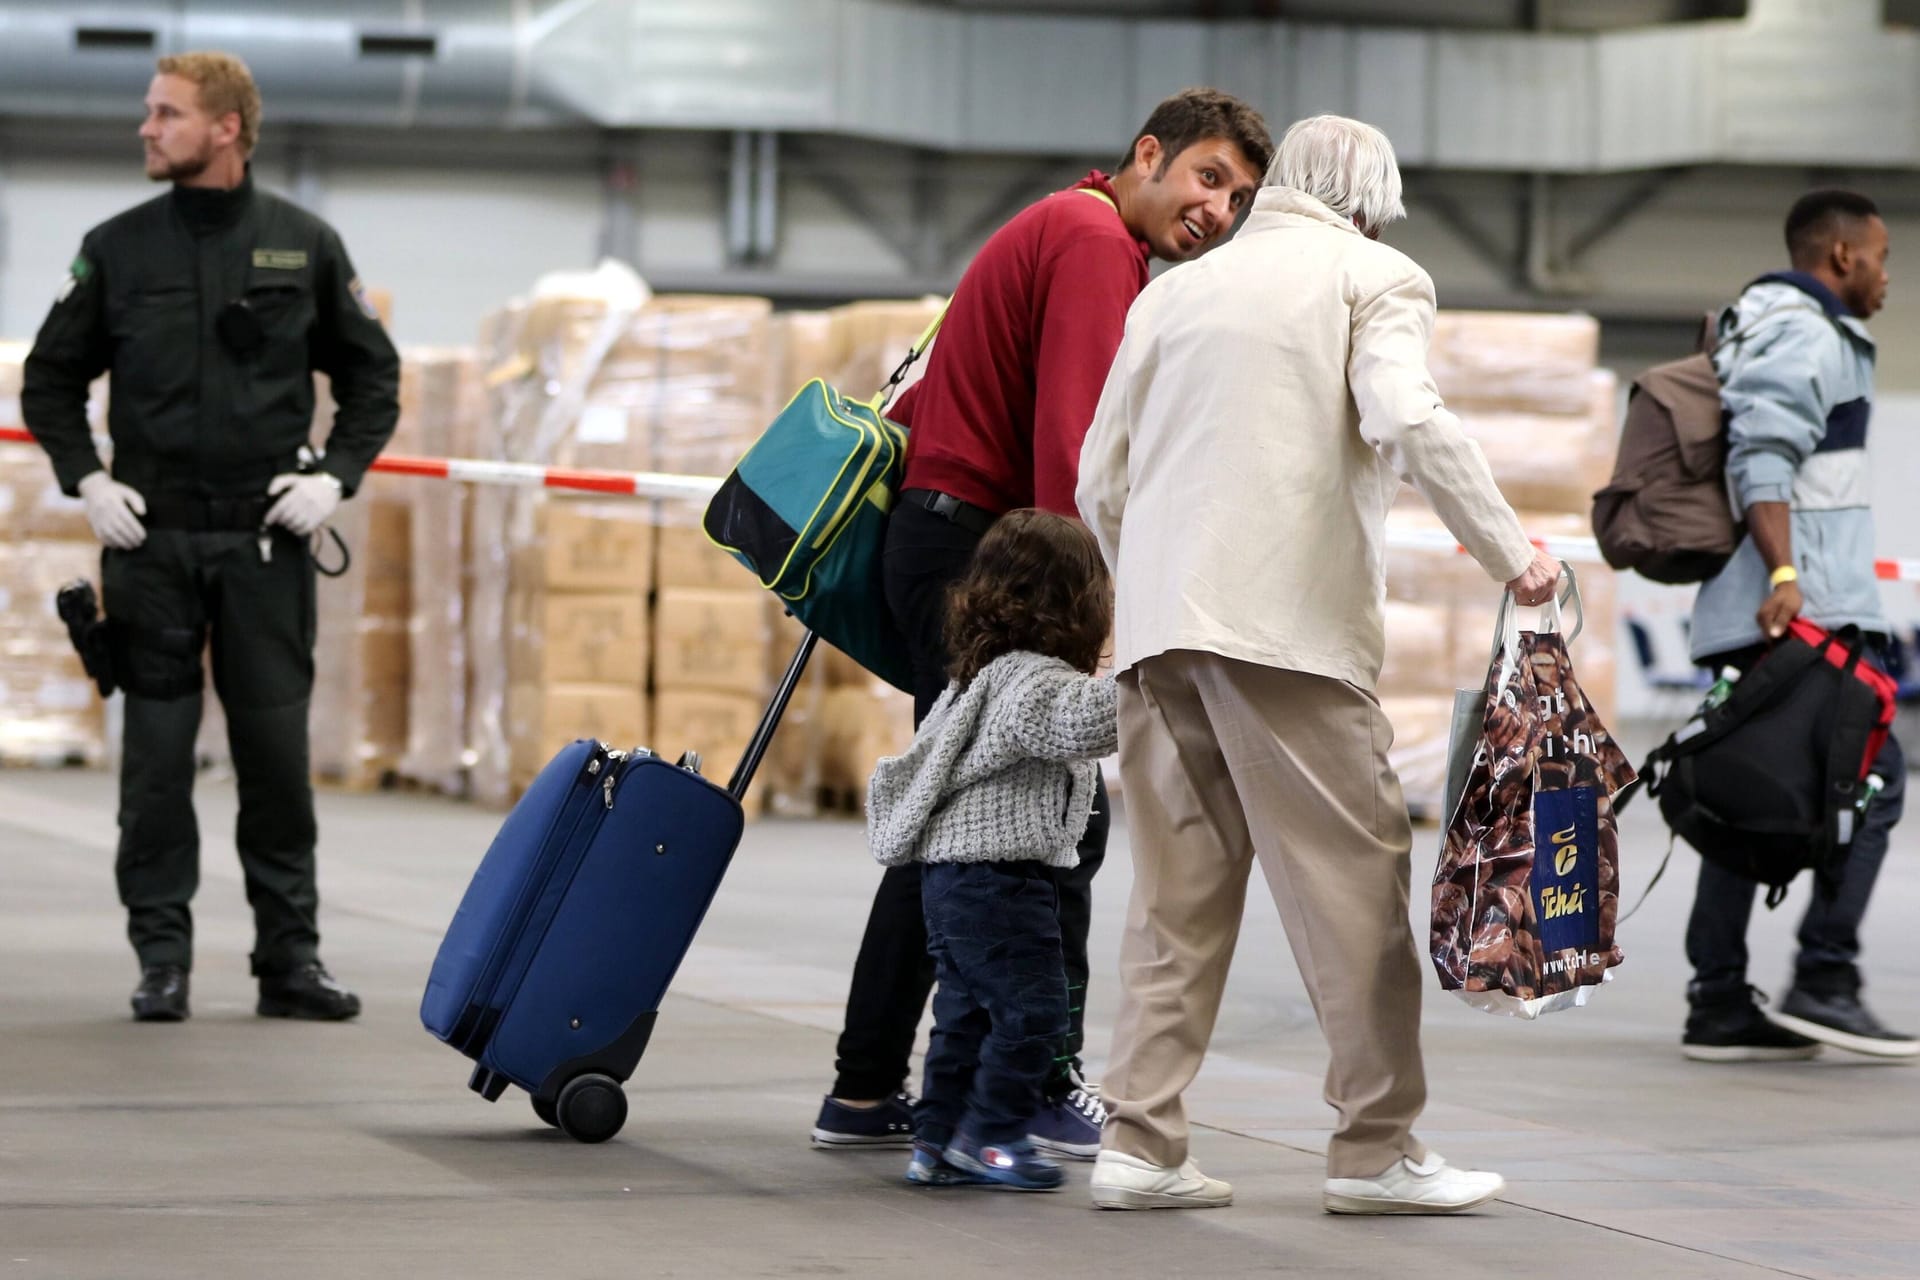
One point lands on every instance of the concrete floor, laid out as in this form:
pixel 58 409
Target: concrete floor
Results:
pixel 233 1146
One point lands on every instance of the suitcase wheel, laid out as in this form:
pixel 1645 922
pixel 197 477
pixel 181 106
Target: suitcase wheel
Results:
pixel 543 1107
pixel 591 1108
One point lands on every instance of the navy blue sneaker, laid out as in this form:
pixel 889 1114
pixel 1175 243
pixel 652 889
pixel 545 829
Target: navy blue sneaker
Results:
pixel 928 1168
pixel 1069 1128
pixel 887 1127
pixel 1007 1164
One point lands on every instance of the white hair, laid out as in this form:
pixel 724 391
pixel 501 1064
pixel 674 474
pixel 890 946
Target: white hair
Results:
pixel 1344 164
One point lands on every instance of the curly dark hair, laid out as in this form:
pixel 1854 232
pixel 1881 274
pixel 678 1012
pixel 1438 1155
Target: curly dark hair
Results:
pixel 1036 583
pixel 1194 115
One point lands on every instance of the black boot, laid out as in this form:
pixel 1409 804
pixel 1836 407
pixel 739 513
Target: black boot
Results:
pixel 308 992
pixel 1834 1014
pixel 1731 1028
pixel 161 995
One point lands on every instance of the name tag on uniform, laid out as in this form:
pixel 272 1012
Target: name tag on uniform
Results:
pixel 280 259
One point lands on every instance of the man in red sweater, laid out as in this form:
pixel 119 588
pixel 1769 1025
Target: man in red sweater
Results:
pixel 996 424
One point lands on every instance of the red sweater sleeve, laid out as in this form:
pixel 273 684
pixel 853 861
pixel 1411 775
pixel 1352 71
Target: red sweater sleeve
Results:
pixel 901 410
pixel 1088 288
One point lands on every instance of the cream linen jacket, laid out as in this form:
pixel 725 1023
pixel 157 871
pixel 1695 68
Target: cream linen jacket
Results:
pixel 1263 408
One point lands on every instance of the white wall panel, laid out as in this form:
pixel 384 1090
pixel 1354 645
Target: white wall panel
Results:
pixel 1512 102
pixel 1656 94
pixel 1846 99
pixel 1167 57
pixel 1047 85
pixel 1393 90
pixel 817 239
pixel 1323 65
pixel 896 64
pixel 45 207
pixel 451 246
pixel 1247 60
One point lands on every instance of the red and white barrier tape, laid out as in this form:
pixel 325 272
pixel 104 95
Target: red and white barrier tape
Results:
pixel 657 484
pixel 629 484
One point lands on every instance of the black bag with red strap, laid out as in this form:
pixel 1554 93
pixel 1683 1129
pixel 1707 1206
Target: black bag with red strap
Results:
pixel 1773 780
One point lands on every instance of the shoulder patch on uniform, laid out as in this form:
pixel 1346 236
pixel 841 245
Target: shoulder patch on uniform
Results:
pixel 359 292
pixel 76 276
pixel 280 259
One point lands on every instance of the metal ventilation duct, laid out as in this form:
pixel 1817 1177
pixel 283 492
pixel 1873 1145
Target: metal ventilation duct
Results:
pixel 1798 82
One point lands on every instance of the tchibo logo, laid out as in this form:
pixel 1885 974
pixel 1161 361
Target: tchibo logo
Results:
pixel 1570 961
pixel 1566 851
pixel 1556 902
pixel 1566 871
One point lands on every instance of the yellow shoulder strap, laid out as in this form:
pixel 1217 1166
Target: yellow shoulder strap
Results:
pixel 918 349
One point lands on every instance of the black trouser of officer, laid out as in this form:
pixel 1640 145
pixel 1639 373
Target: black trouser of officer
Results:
pixel 925 553
pixel 207 577
pixel 1829 934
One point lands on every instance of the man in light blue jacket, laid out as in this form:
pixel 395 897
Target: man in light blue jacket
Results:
pixel 1796 378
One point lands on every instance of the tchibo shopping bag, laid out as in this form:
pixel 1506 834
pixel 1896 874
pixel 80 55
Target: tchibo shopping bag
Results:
pixel 1527 889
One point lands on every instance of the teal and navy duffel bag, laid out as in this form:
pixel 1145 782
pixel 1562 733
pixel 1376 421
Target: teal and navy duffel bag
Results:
pixel 806 510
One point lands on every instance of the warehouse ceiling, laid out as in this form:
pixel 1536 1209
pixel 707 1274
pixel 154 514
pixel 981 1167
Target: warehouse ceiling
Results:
pixel 1554 15
pixel 1545 86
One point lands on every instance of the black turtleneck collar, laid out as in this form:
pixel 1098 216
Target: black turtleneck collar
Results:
pixel 209 209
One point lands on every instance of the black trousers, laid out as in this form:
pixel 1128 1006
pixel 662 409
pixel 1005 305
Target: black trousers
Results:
pixel 893 973
pixel 1829 934
pixel 165 600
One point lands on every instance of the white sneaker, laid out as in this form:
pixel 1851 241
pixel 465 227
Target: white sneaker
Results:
pixel 1406 1187
pixel 1122 1181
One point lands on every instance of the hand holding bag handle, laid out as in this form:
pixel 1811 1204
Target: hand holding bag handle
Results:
pixel 1470 705
pixel 1506 627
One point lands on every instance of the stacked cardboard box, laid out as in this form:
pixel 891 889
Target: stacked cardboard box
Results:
pixel 440 401
pixel 682 385
pixel 862 718
pixel 362 659
pixel 577 631
pixel 842 720
pixel 50 712
pixel 675 384
pixel 363 654
pixel 1527 389
pixel 713 650
pixel 873 338
pixel 689 375
pixel 855 347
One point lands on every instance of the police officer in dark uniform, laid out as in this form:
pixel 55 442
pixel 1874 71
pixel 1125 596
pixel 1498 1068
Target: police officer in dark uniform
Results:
pixel 211 307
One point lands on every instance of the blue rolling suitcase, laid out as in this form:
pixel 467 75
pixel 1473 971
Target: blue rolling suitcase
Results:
pixel 554 967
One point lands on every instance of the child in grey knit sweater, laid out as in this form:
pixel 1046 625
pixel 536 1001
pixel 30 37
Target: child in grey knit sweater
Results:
pixel 992 796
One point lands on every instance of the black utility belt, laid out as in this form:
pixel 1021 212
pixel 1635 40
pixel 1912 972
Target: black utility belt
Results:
pixel 194 514
pixel 969 517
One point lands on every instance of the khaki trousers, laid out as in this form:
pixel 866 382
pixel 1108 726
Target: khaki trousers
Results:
pixel 1223 762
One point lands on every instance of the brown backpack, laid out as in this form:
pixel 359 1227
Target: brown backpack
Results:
pixel 1666 514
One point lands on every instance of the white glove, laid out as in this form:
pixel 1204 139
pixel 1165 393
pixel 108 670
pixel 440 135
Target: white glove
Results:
pixel 305 501
pixel 114 511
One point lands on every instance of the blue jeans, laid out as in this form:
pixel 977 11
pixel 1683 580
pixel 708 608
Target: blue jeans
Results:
pixel 1829 934
pixel 993 929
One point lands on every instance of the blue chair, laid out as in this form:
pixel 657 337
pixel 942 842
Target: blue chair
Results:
pixel 1695 680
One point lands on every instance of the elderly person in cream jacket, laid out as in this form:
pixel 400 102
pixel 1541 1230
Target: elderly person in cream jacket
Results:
pixel 1263 409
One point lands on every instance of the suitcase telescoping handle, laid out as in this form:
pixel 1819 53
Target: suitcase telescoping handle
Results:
pixel 757 748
